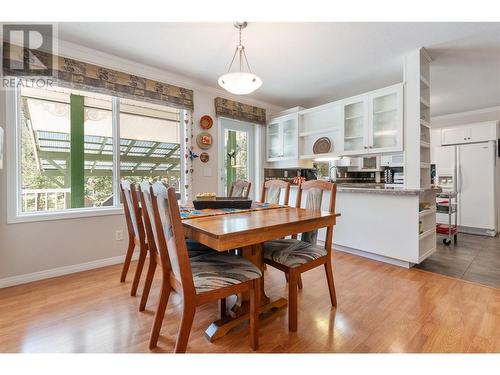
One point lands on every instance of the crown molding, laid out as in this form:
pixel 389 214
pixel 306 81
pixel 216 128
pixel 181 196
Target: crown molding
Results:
pixel 466 113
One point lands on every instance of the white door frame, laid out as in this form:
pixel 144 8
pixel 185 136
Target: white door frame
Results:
pixel 251 129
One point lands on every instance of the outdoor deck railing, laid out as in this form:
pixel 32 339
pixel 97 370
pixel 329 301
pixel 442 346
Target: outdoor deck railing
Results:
pixel 34 200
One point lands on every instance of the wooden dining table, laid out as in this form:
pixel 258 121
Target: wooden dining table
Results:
pixel 247 231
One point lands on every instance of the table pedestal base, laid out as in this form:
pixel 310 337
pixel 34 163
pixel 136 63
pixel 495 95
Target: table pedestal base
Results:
pixel 239 313
pixel 221 327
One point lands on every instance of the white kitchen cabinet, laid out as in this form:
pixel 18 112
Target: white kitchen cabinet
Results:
pixel 480 132
pixel 453 136
pixel 386 120
pixel 282 138
pixel 273 140
pixel 355 129
pixel 373 123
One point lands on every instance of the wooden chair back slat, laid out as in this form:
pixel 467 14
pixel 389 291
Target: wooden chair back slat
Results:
pixel 271 191
pixel 315 190
pixel 152 231
pixel 240 189
pixel 127 208
pixel 148 215
pixel 170 235
pixel 132 209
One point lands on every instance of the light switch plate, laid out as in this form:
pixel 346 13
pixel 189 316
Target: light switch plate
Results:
pixel 119 235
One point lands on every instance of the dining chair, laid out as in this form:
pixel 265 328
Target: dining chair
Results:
pixel 240 189
pixel 136 234
pixel 294 256
pixel 271 191
pixel 194 248
pixel 201 279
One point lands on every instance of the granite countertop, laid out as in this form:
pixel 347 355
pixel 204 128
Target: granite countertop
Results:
pixel 379 189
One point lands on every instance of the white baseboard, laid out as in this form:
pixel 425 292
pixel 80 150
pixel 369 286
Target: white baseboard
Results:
pixel 365 254
pixel 380 258
pixel 60 271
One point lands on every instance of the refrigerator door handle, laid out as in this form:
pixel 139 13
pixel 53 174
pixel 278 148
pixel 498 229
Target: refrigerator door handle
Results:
pixel 460 180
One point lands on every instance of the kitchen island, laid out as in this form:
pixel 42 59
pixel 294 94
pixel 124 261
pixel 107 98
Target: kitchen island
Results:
pixel 393 225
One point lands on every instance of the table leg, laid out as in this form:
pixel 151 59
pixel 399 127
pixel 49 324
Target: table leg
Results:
pixel 253 254
pixel 240 311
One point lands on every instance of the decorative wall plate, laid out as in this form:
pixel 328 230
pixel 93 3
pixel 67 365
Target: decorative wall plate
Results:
pixel 204 140
pixel 206 122
pixel 322 146
pixel 204 157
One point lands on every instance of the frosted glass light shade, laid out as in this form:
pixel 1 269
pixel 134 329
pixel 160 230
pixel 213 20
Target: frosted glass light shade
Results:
pixel 240 83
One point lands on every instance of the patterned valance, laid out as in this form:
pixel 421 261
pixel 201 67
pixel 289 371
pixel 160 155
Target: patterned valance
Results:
pixel 239 111
pixel 83 76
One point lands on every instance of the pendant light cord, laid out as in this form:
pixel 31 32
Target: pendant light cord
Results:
pixel 242 54
pixel 240 47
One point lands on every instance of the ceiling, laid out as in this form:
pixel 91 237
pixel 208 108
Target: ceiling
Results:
pixel 313 63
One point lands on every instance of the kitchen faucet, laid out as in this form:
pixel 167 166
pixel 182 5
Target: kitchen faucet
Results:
pixel 335 175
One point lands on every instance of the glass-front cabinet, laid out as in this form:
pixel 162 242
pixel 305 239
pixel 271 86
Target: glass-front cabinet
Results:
pixel 355 126
pixel 273 140
pixel 373 123
pixel 386 117
pixel 290 138
pixel 282 138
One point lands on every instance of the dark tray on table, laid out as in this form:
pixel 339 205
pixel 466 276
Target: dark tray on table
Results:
pixel 223 202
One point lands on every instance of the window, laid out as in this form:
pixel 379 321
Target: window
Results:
pixel 70 143
pixel 150 145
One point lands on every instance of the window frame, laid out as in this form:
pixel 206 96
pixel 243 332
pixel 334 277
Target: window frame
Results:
pixel 13 166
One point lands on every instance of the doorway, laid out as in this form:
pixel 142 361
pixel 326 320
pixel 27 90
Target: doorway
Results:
pixel 236 153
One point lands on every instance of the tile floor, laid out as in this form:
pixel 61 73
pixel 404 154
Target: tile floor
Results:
pixel 473 258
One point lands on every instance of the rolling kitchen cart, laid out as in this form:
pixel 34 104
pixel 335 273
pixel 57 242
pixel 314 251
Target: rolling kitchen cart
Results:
pixel 446 203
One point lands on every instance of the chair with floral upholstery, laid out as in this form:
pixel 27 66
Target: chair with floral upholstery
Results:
pixel 201 279
pixel 294 256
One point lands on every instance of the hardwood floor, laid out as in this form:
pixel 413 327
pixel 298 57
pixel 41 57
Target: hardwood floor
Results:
pixel 473 258
pixel 381 308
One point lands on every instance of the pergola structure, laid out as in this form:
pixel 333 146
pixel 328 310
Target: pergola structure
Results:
pixel 137 158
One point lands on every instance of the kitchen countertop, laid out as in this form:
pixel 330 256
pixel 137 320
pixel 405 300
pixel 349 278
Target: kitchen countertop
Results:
pixel 378 189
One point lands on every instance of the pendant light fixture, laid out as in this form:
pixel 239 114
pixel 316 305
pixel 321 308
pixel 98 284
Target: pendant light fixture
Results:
pixel 240 82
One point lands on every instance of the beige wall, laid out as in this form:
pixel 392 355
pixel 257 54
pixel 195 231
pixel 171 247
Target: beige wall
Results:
pixel 39 246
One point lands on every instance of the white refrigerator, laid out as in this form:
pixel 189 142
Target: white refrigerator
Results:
pixel 472 171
